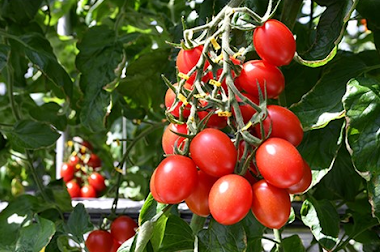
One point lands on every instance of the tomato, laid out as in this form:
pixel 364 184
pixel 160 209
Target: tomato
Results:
pixel 187 59
pixel 279 162
pixel 74 160
pixel 230 199
pixel 152 186
pixel 215 121
pixel 175 179
pixel 99 241
pixel 213 152
pixel 270 205
pixel 73 188
pixel 246 110
pixel 115 246
pixel 170 139
pixel 67 171
pixel 170 97
pixel 274 43
pixel 258 71
pixel 304 183
pixel 285 124
pixel 198 199
pixel 94 161
pixel 97 181
pixel 88 145
pixel 123 228
pixel 88 191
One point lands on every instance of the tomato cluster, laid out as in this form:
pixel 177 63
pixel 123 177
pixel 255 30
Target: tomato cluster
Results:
pixel 121 229
pixel 82 171
pixel 227 151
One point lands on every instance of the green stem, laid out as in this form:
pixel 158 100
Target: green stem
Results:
pixel 197 222
pixel 278 239
pixel 36 178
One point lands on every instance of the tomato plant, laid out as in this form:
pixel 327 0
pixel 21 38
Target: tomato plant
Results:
pixel 213 152
pixel 170 98
pixel 270 205
pixel 99 241
pixel 230 199
pixel 94 161
pixel 67 171
pixel 305 181
pixel 170 139
pixel 274 43
pixel 122 228
pixel 73 188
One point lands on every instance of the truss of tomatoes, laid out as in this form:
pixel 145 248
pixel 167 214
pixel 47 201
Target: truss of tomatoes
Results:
pixel 206 177
pixel 82 172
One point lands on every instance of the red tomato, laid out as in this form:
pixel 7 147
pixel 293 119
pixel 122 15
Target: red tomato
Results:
pixel 270 205
pixel 215 121
pixel 258 71
pixel 170 139
pixel 175 179
pixel 274 43
pixel 74 160
pixel 99 241
pixel 187 59
pixel 304 183
pixel 73 188
pixel 94 161
pixel 170 97
pixel 198 199
pixel 247 111
pixel 285 124
pixel 152 186
pixel 230 199
pixel 67 171
pixel 97 181
pixel 123 228
pixel 279 162
pixel 115 246
pixel 249 176
pixel 88 191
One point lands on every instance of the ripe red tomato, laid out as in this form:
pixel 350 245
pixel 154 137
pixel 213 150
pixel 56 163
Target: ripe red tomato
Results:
pixel 187 59
pixel 215 121
pixel 279 162
pixel 67 171
pixel 152 186
pixel 230 199
pixel 99 241
pixel 115 246
pixel 198 199
pixel 258 71
pixel 270 205
pixel 123 228
pixel 274 43
pixel 170 139
pixel 73 188
pixel 88 191
pixel 304 183
pixel 213 152
pixel 175 179
pixel 285 124
pixel 94 161
pixel 247 111
pixel 97 181
pixel 170 97
pixel 74 160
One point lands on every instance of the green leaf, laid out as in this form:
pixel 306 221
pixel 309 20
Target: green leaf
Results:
pixel 79 223
pixel 329 33
pixel 320 148
pixel 292 244
pixel 32 135
pixel 254 231
pixel 150 209
pixel 100 54
pixel 4 50
pixel 58 194
pixel 140 240
pixel 20 11
pixel 323 220
pixel 223 238
pixel 362 105
pixel 323 103
pixel 50 113
pixel 35 236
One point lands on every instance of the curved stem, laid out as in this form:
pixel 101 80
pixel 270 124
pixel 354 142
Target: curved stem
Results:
pixel 278 238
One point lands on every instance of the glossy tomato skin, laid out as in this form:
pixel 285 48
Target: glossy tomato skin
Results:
pixel 215 121
pixel 213 152
pixel 67 171
pixel 123 228
pixel 73 188
pixel 304 183
pixel 270 205
pixel 285 124
pixel 94 161
pixel 187 59
pixel 198 199
pixel 170 139
pixel 88 191
pixel 97 181
pixel 267 75
pixel 230 199
pixel 274 43
pixel 175 179
pixel 152 186
pixel 99 241
pixel 279 162
pixel 170 97
pixel 74 160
